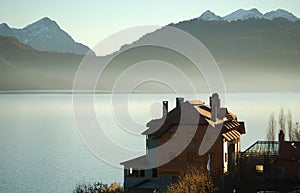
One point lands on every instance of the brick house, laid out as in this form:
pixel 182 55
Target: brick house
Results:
pixel 196 134
pixel 273 165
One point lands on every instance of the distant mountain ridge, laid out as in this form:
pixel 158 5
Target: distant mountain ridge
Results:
pixel 45 35
pixel 242 14
pixel 210 16
pixel 254 55
pixel 259 55
pixel 25 68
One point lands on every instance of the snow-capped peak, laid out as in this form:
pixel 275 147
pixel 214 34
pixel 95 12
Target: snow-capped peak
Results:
pixel 280 13
pixel 242 14
pixel 210 16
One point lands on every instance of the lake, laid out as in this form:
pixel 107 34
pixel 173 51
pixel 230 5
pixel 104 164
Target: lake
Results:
pixel 42 149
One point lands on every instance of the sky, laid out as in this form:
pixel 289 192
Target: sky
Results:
pixel 91 21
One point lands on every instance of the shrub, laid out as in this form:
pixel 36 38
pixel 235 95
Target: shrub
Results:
pixel 98 187
pixel 193 181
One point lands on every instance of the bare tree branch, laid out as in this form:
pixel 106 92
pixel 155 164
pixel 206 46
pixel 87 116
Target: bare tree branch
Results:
pixel 281 120
pixel 271 130
pixel 289 120
pixel 296 132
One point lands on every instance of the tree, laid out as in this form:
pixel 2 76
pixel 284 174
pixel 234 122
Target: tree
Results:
pixel 289 120
pixel 281 120
pixel 114 188
pixel 98 187
pixel 193 181
pixel 271 130
pixel 297 132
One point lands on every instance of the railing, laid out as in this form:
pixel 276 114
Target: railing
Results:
pixel 262 149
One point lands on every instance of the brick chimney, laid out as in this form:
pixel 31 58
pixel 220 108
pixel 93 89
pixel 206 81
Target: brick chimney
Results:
pixel 165 108
pixel 281 142
pixel 215 106
pixel 179 102
pixel 281 136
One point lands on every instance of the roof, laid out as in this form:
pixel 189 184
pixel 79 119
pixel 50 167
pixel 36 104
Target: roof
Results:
pixel 284 149
pixel 139 162
pixel 290 149
pixel 231 135
pixel 231 124
pixel 201 107
pixel 159 126
pixel 231 129
pixel 263 148
pixel 195 102
pixel 153 125
pixel 203 111
pixel 289 152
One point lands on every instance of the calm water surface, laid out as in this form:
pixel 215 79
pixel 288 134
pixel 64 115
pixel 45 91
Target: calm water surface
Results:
pixel 41 149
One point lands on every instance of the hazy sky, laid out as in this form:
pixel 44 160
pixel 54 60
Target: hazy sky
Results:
pixel 90 21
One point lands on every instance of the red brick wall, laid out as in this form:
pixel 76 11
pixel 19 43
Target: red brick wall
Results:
pixel 182 162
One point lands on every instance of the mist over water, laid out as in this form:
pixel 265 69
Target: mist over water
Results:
pixel 41 149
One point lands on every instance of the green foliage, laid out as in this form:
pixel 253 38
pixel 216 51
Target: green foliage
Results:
pixel 98 187
pixel 193 181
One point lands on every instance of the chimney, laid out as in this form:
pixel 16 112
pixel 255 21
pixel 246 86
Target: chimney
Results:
pixel 281 136
pixel 179 101
pixel 215 106
pixel 281 141
pixel 165 108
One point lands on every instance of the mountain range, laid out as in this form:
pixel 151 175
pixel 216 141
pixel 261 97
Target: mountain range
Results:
pixel 45 35
pixel 243 14
pixel 254 55
pixel 25 68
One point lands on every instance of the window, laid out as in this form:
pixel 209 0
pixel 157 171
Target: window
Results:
pixel 127 172
pixel 154 173
pixel 142 173
pixel 191 157
pixel 147 144
pixel 259 169
pixel 135 173
pixel 226 157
